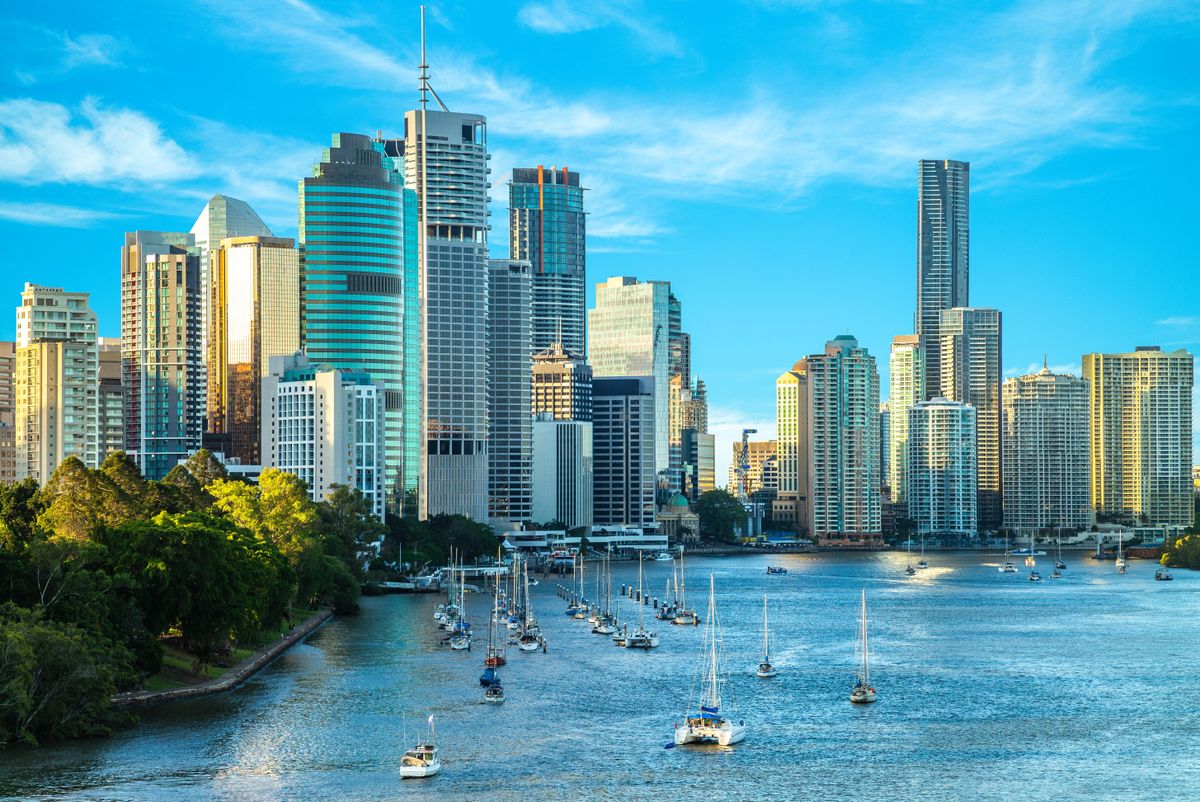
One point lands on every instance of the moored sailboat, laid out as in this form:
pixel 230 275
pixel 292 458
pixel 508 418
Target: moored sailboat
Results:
pixel 641 638
pixel 765 669
pixel 863 691
pixel 685 616
pixel 709 723
pixel 422 760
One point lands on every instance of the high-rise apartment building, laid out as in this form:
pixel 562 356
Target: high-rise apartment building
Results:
pixel 562 384
pixel 843 447
pixel 253 314
pixel 162 364
pixel 358 237
pixel 906 379
pixel 941 498
pixel 943 255
pixel 562 471
pixel 8 412
pixel 110 399
pixel 510 334
pixel 885 437
pixel 629 335
pixel 1047 469
pixel 623 447
pixel 971 367
pixel 791 506
pixel 326 426
pixel 547 227
pixel 1140 406
pixel 450 177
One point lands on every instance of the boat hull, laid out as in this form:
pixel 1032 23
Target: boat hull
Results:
pixel 417 772
pixel 860 696
pixel 725 734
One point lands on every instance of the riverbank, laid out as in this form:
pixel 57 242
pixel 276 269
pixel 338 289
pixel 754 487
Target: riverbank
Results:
pixel 235 676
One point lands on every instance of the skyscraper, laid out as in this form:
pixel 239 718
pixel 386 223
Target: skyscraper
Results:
pixel 562 471
pixel 628 335
pixel 111 399
pixel 162 363
pixel 971 367
pixel 906 377
pixel 8 412
pixel 843 448
pixel 562 384
pixel 623 447
pixel 450 178
pixel 1140 405
pixel 943 255
pixel 1047 468
pixel 792 448
pixel 941 468
pixel 548 228
pixel 510 450
pixel 358 237
pixel 254 314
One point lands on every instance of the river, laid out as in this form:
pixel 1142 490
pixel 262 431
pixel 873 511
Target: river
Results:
pixel 990 687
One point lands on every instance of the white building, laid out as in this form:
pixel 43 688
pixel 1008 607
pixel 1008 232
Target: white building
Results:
pixel 325 426
pixel 562 471
pixel 906 380
pixel 941 468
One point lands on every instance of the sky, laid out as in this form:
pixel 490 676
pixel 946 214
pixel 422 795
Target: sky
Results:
pixel 760 155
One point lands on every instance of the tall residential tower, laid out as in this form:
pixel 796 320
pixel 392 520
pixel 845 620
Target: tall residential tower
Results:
pixel 943 255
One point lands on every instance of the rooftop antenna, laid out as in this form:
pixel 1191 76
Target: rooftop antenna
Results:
pixel 426 89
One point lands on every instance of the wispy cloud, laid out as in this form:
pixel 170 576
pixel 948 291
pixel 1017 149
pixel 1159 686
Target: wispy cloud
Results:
pixel 1179 320
pixel 56 52
pixel 1074 369
pixel 52 214
pixel 563 17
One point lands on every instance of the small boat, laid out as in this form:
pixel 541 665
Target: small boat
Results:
pixel 1034 576
pixel 1059 565
pixel 1121 565
pixel 709 725
pixel 1006 567
pixel 422 759
pixel 662 556
pixel 776 569
pixel 765 669
pixel 921 564
pixel 685 617
pixel 1163 575
pixel 460 642
pixel 910 570
pixel 1029 552
pixel 494 693
pixel 1056 574
pixel 641 638
pixel 863 692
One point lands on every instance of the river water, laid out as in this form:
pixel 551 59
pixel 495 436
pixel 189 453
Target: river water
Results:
pixel 990 687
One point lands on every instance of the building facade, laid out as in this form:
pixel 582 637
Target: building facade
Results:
pixel 941 496
pixel 562 471
pixel 943 255
pixel 1047 465
pixel 326 426
pixel 906 379
pixel 547 227
pixel 1140 411
pixel 562 384
pixel 791 506
pixel 8 413
pixel 110 399
pixel 971 363
pixel 253 314
pixel 623 448
pixel 510 336
pixel 162 362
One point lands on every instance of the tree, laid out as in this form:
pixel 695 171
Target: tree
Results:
pixel 720 514
pixel 20 506
pixel 181 492
pixel 205 468
pixel 348 526
pixel 124 475
pixel 74 503
pixel 288 515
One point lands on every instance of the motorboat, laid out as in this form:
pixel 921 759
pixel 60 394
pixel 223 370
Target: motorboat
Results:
pixel 422 759
pixel 776 569
pixel 1163 575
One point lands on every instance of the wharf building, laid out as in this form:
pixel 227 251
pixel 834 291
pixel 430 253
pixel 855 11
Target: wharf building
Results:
pixel 941 497
pixel 943 256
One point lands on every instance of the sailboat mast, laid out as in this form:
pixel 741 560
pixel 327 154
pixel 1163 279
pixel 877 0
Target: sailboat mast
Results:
pixel 865 648
pixel 712 623
pixel 766 632
pixel 640 602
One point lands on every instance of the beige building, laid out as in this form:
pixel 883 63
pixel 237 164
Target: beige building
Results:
pixel 792 462
pixel 1140 408
pixel 111 399
pixel 56 400
pixel 906 379
pixel 761 474
pixel 8 456
pixel 562 384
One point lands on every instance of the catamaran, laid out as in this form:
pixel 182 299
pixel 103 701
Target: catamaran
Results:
pixel 863 692
pixel 685 616
pixel 641 638
pixel 1006 567
pixel 422 759
pixel 709 724
pixel 765 669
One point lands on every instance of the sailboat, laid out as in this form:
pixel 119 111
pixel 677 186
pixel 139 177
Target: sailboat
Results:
pixel 765 669
pixel 422 759
pixel 573 604
pixel 494 654
pixel 581 605
pixel 1006 567
pixel 1059 565
pixel 493 694
pixel 1120 554
pixel 908 567
pixel 641 638
pixel 863 692
pixel 685 616
pixel 531 634
pixel 709 724
pixel 606 621
pixel 921 564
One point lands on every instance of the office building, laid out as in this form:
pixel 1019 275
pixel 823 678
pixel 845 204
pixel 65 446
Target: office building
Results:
pixel 547 228
pixel 971 367
pixel 562 384
pixel 791 505
pixel 162 364
pixel 623 447
pixel 253 315
pixel 358 235
pixel 1140 410
pixel 941 498
pixel 8 413
pixel 943 255
pixel 628 335
pixel 562 471
pixel 510 336
pixel 110 402
pixel 906 380
pixel 843 447
pixel 1047 469
pixel 326 426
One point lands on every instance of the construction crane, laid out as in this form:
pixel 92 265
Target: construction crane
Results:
pixel 744 466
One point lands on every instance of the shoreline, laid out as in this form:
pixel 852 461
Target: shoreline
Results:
pixel 235 676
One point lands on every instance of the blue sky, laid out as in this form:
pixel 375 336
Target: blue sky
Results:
pixel 760 155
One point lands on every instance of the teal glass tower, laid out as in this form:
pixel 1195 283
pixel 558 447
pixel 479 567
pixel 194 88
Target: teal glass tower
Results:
pixel 358 233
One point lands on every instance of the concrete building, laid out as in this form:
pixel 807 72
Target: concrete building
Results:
pixel 792 425
pixel 326 426
pixel 972 365
pixel 906 379
pixel 941 497
pixel 1047 466
pixel 943 255
pixel 110 399
pixel 510 337
pixel 8 413
pixel 162 363
pixel 562 471
pixel 1140 408
pixel 885 453
pixel 843 445
pixel 677 521
pixel 548 228
pixel 624 441
pixel 763 473
pixel 253 315
pixel 562 384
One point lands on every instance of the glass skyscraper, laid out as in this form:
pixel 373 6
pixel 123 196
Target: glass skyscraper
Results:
pixel 943 254
pixel 358 238
pixel 548 228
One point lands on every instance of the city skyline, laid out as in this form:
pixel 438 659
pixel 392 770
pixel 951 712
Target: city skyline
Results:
pixel 1051 219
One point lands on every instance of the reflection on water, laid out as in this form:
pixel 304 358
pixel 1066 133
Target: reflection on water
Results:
pixel 991 687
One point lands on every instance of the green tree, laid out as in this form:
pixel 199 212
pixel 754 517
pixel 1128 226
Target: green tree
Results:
pixel 182 492
pixel 205 467
pixel 20 505
pixel 720 514
pixel 132 501
pixel 347 526
pixel 75 502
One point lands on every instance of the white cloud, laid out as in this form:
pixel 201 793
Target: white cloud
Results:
pixel 1074 369
pixel 1179 320
pixel 52 214
pixel 91 49
pixel 563 17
